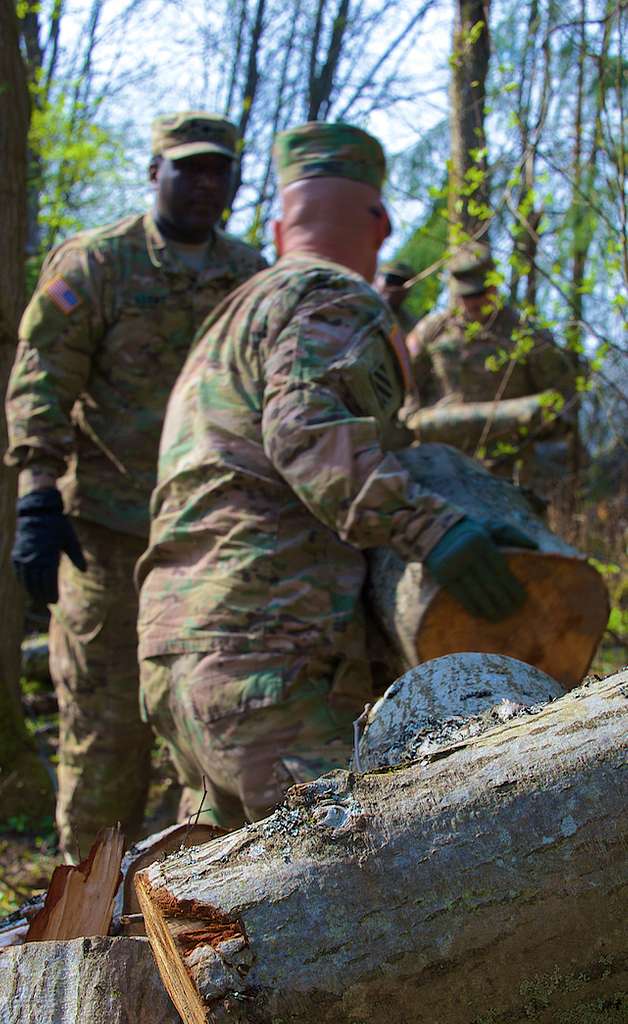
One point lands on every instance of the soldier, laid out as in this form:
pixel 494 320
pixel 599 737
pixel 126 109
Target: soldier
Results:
pixel 449 352
pixel 273 478
pixel 101 344
pixel 390 282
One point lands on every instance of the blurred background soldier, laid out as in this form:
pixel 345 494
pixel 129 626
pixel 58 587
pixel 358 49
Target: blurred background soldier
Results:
pixel 273 478
pixel 389 282
pixel 521 414
pixel 101 343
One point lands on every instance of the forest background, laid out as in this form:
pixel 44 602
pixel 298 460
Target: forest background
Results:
pixel 503 121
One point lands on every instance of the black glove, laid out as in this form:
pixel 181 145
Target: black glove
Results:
pixel 468 563
pixel 42 532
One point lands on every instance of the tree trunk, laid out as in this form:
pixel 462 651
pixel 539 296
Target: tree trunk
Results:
pixel 562 621
pixel 24 783
pixel 86 981
pixel 447 700
pixel 481 883
pixel 462 423
pixel 468 178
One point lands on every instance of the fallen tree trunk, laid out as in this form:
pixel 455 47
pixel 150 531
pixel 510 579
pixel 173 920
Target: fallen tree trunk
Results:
pixel 85 981
pixel 482 883
pixel 558 628
pixel 127 919
pixel 462 424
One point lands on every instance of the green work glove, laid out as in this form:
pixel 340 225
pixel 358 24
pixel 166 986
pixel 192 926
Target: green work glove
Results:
pixel 468 563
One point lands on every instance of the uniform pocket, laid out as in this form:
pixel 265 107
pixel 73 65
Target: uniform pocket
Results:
pixel 223 685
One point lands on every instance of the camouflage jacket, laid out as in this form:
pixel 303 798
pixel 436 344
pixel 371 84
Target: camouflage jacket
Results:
pixel 450 360
pixel 273 472
pixel 101 344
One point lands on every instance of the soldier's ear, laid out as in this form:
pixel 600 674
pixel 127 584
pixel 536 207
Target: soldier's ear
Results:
pixel 278 236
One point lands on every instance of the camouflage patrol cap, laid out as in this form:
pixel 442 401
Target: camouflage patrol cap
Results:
pixel 322 150
pixel 468 268
pixel 191 133
pixel 397 268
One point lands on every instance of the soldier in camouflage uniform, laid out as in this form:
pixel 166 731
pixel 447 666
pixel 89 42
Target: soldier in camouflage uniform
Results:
pixel 390 281
pixel 101 343
pixel 273 478
pixel 449 353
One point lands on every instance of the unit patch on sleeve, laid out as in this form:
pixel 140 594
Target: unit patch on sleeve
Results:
pixel 62 295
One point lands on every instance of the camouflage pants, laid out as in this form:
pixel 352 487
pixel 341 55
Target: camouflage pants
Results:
pixel 104 747
pixel 249 724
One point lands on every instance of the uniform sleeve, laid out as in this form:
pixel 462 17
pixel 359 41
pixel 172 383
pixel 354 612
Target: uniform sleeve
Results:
pixel 58 335
pixel 425 380
pixel 331 386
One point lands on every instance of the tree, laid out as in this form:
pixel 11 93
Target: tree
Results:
pixel 24 783
pixel 269 63
pixel 76 69
pixel 469 209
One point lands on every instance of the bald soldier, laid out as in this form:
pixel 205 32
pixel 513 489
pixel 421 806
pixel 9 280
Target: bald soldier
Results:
pixel 101 344
pixel 273 479
pixel 449 353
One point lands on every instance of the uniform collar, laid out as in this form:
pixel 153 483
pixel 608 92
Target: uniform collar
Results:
pixel 163 258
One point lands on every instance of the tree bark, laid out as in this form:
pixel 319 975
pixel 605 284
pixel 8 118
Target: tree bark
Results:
pixel 86 981
pixel 447 700
pixel 481 883
pixel 463 423
pixel 24 783
pixel 468 179
pixel 566 610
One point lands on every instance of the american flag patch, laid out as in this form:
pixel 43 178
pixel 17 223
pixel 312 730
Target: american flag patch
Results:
pixel 62 295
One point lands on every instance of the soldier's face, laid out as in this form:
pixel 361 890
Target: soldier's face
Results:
pixel 391 287
pixel 480 306
pixel 191 194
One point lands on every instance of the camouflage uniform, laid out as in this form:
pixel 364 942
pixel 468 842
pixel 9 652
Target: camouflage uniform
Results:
pixel 273 476
pixel 449 355
pixel 101 344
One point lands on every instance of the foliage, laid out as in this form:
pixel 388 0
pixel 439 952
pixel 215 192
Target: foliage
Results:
pixel 76 157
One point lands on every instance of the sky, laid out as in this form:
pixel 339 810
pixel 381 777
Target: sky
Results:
pixel 157 35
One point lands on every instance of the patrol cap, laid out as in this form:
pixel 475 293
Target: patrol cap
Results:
pixel 468 268
pixel 397 268
pixel 323 150
pixel 191 133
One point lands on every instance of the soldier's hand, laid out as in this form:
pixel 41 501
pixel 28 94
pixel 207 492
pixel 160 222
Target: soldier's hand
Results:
pixel 42 532
pixel 468 563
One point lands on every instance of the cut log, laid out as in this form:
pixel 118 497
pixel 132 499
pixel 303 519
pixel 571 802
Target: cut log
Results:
pixel 79 901
pixel 462 423
pixel 84 981
pixel 485 882
pixel 126 913
pixel 450 698
pixel 566 610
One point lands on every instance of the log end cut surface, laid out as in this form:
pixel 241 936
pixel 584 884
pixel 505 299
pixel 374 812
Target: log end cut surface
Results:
pixel 557 630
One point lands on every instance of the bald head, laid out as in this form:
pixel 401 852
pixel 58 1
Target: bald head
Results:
pixel 336 218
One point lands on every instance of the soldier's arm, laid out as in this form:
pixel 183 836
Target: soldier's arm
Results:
pixel 57 338
pixel 418 342
pixel 331 386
